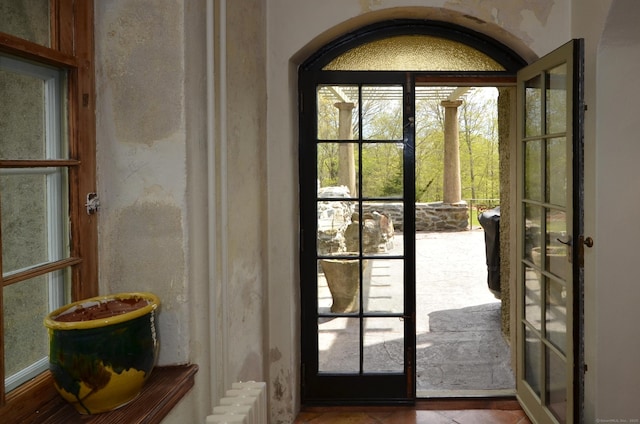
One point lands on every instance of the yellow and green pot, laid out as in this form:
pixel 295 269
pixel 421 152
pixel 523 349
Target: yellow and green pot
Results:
pixel 100 363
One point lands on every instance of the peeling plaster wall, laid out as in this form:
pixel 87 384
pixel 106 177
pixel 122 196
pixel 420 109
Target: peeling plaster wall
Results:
pixel 152 176
pixel 141 159
pixel 244 111
pixel 182 208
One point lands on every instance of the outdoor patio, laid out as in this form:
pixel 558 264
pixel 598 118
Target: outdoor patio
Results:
pixel 460 350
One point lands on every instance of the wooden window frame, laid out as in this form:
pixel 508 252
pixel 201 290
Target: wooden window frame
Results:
pixel 71 48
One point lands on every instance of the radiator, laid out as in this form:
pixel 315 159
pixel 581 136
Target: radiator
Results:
pixel 244 403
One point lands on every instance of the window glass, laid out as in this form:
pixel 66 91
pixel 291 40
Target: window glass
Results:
pixel 415 53
pixel 25 304
pixel 27 19
pixel 34 217
pixel 31 123
pixel 34 210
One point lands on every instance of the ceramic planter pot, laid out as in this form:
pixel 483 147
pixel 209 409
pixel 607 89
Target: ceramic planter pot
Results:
pixel 102 349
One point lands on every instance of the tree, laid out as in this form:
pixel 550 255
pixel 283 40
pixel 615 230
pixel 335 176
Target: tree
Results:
pixel 381 149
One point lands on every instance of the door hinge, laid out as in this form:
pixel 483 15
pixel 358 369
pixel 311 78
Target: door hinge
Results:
pixel 582 242
pixel 92 204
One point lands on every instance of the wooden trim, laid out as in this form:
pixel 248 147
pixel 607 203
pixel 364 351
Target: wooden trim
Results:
pixel 72 48
pixel 83 145
pixel 65 20
pixel 47 163
pixel 29 397
pixel 40 270
pixel 436 404
pixel 28 50
pixel 164 389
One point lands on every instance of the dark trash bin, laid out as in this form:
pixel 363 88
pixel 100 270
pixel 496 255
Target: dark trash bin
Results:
pixel 490 221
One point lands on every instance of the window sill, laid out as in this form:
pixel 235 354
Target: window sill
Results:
pixel 163 390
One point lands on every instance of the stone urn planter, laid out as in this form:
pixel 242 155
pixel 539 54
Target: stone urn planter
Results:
pixel 343 277
pixel 103 349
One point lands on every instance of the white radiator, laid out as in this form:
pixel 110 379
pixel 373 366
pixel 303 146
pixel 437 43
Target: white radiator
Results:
pixel 244 403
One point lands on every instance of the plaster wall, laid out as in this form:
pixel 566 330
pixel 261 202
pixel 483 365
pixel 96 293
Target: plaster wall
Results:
pixel 616 291
pixel 588 22
pixel 155 234
pixel 530 28
pixel 181 180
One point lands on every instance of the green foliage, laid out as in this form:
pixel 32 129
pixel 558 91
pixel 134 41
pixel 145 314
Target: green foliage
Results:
pixel 381 150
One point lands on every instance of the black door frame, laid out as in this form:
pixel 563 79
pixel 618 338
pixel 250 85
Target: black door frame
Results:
pixel 337 389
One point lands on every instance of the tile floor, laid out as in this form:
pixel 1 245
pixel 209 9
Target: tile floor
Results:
pixel 408 415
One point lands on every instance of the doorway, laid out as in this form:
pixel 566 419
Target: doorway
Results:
pixel 357 166
pixel 462 346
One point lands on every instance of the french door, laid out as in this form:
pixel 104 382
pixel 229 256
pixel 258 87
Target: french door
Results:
pixel 358 324
pixel 549 360
pixel 357 289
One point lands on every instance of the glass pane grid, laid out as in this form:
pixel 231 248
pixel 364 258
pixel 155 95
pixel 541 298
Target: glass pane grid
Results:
pixel 35 217
pixel 360 270
pixel 25 304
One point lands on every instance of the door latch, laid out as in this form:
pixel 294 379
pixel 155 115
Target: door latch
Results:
pixel 92 204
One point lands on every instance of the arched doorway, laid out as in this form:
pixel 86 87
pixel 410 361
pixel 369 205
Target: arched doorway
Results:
pixel 344 306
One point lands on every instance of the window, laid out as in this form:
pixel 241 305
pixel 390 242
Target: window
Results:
pixel 47 170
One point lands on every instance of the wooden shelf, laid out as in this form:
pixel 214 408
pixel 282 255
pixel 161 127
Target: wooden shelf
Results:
pixel 163 390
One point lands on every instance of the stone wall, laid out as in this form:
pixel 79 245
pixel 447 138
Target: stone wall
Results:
pixel 429 216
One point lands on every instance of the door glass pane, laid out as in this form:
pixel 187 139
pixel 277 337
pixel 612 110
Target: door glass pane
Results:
pixel 31 122
pixel 533 107
pixel 556 319
pixel 339 345
pixel 532 170
pixel 557 260
pixel 382 113
pixel 383 287
pixel 337 112
pixel 378 230
pixel 337 165
pixel 556 383
pixel 341 277
pixel 532 360
pixel 383 345
pixel 34 217
pixel 382 175
pixel 532 236
pixel 557 100
pixel 334 217
pixel 533 297
pixel 27 20
pixel 557 171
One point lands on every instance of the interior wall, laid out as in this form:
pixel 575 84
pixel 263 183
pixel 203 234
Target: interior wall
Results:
pixel 616 293
pixel 182 181
pixel 530 28
pixel 151 181
pixel 587 21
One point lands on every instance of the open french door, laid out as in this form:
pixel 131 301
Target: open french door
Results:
pixel 358 307
pixel 550 225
